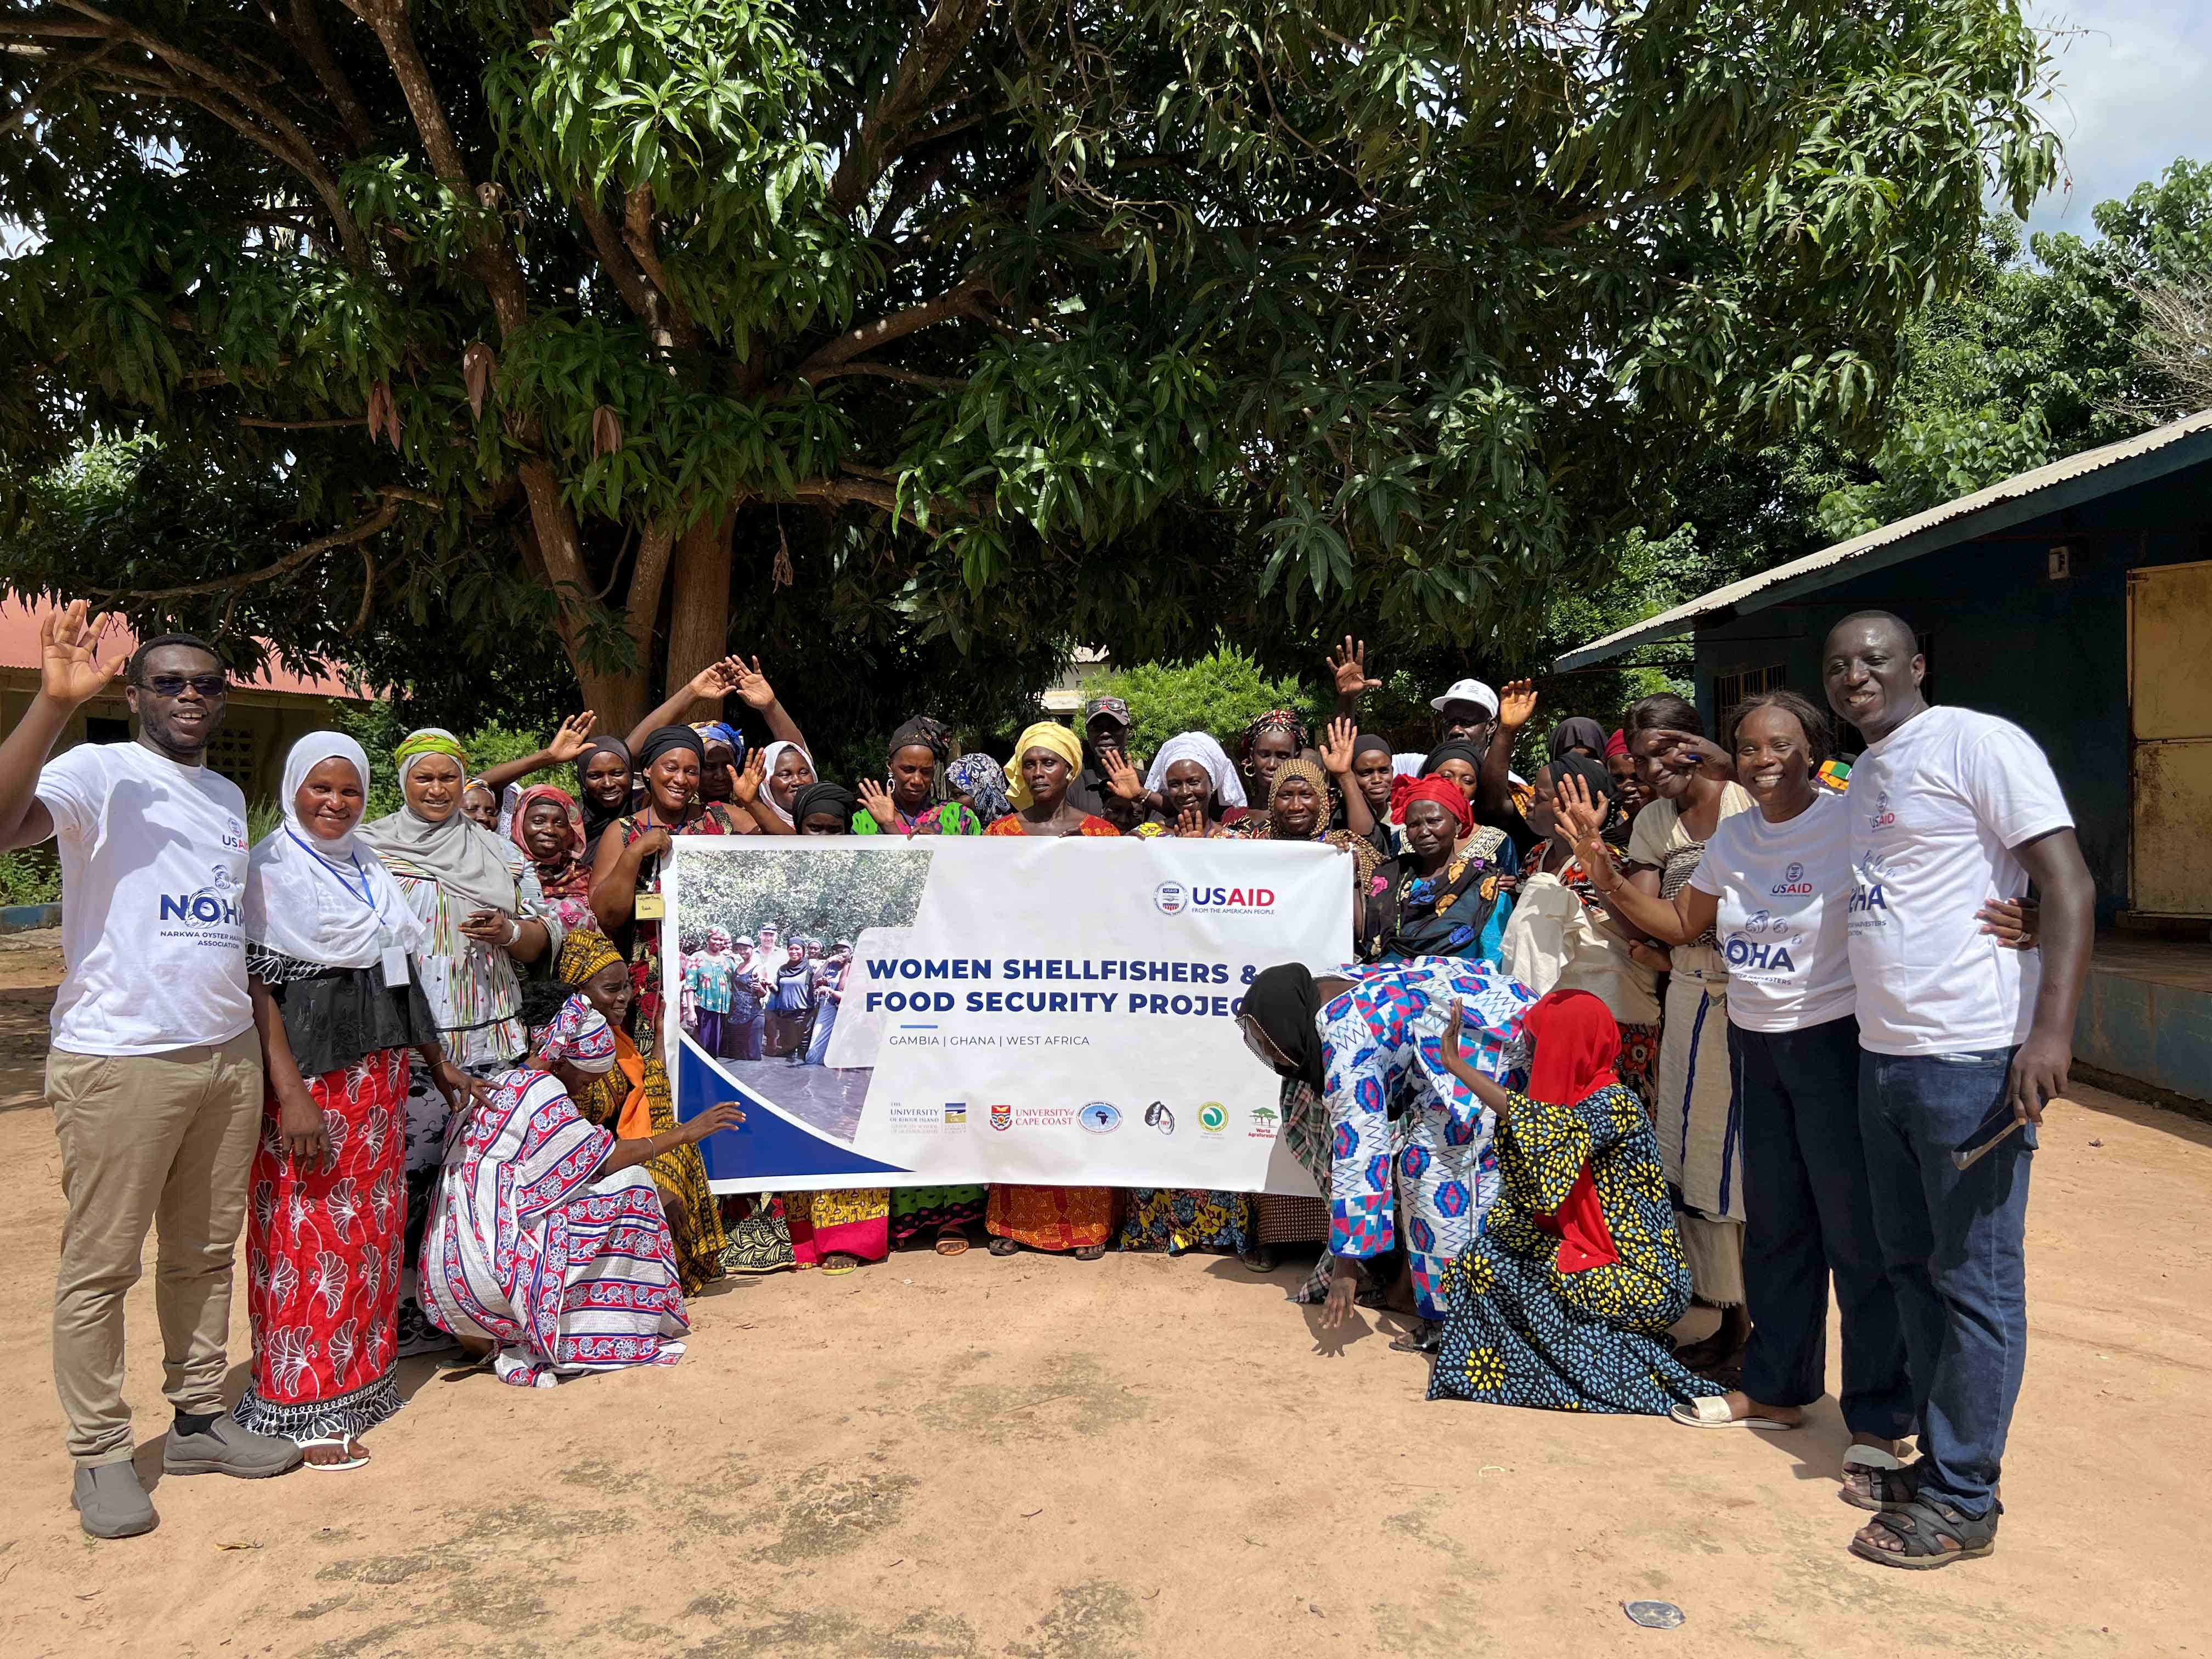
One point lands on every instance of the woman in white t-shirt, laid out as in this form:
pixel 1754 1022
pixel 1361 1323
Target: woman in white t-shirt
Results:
pixel 1772 889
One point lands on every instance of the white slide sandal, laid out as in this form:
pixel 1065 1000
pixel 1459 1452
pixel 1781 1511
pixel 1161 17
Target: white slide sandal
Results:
pixel 339 1441
pixel 1712 1412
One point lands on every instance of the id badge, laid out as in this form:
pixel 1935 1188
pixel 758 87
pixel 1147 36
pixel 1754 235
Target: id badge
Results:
pixel 649 907
pixel 396 971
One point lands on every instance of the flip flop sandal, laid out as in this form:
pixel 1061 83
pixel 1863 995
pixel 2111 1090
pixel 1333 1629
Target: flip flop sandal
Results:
pixel 951 1244
pixel 1921 1525
pixel 1890 1485
pixel 1426 1340
pixel 1711 1411
pixel 1258 1261
pixel 1004 1247
pixel 838 1266
pixel 341 1442
pixel 1090 1252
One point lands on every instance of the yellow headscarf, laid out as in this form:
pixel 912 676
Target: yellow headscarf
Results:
pixel 1045 734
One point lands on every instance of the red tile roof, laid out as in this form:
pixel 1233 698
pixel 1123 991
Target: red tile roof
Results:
pixel 19 648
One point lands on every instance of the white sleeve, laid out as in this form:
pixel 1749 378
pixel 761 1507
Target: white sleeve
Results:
pixel 2009 782
pixel 71 787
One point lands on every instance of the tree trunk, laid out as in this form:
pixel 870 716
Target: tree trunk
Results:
pixel 699 604
pixel 618 696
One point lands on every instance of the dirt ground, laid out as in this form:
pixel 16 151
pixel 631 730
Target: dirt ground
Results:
pixel 1045 1459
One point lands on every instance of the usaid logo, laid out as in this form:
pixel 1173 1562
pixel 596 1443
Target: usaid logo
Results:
pixel 1793 881
pixel 234 837
pixel 1882 818
pixel 1170 898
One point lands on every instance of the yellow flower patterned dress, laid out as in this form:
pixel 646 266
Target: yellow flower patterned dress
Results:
pixel 1519 1330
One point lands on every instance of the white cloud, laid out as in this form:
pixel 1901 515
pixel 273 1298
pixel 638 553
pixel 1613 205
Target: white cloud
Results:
pixel 2132 97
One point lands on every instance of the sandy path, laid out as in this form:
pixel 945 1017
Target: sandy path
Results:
pixel 1041 1458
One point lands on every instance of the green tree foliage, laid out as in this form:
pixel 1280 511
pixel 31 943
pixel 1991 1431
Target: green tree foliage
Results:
pixel 1220 693
pixel 2041 355
pixel 916 342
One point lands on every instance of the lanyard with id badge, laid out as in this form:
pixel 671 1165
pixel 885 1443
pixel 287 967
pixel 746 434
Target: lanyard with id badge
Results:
pixel 394 957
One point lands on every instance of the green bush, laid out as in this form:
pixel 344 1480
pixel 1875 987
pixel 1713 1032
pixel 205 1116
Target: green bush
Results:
pixel 32 876
pixel 1221 693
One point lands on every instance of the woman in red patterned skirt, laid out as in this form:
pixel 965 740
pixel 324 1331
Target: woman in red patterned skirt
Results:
pixel 338 1005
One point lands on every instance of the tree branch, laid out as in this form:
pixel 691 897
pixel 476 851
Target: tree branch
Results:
pixel 305 554
pixel 266 424
pixel 283 137
pixel 936 46
pixel 669 321
pixel 953 303
pixel 622 271
pixel 880 492
pixel 885 372
pixel 306 33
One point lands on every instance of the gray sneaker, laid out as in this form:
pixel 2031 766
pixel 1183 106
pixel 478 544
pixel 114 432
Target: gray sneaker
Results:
pixel 225 1447
pixel 109 1502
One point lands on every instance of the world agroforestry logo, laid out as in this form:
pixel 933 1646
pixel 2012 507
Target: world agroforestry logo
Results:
pixel 1213 1117
pixel 1263 1123
pixel 1170 898
pixel 1157 1116
pixel 1002 1117
pixel 1100 1118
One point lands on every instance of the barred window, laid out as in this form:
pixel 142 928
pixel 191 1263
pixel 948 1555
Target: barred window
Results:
pixel 1729 689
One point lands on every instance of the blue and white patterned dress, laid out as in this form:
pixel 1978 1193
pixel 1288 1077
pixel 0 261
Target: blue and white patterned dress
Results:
pixel 1434 1160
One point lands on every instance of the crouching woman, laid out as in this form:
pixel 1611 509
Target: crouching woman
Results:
pixel 549 1252
pixel 1563 1303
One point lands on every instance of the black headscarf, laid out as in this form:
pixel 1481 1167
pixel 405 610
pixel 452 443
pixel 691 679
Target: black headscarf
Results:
pixel 1591 772
pixel 923 731
pixel 596 816
pixel 1453 751
pixel 831 799
pixel 1367 741
pixel 667 737
pixel 1283 1003
pixel 1576 731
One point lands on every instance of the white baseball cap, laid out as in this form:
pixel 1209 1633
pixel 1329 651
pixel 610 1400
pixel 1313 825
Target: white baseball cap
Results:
pixel 1474 691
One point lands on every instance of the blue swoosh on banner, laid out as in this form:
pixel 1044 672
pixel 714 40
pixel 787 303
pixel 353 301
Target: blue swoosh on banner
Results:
pixel 769 1143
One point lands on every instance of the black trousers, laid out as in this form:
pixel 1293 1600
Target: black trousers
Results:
pixel 1808 1216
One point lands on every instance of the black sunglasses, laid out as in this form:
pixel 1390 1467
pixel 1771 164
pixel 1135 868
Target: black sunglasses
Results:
pixel 173 685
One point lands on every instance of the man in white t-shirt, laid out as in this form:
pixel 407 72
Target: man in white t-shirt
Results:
pixel 154 1075
pixel 1948 809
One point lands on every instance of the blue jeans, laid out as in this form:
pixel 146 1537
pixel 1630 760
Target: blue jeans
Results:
pixel 825 1022
pixel 1956 1244
pixel 1808 1216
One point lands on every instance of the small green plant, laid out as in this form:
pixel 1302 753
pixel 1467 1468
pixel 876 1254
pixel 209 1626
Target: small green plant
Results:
pixel 30 876
pixel 1221 693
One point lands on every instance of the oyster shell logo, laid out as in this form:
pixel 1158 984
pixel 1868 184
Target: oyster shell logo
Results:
pixel 1213 1117
pixel 1157 1116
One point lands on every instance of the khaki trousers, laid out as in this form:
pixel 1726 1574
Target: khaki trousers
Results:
pixel 147 1139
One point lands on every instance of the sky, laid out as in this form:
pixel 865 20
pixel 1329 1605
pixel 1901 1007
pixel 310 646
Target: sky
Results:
pixel 2132 96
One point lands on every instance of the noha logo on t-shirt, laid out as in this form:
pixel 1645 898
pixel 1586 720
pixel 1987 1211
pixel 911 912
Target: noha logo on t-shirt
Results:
pixel 215 905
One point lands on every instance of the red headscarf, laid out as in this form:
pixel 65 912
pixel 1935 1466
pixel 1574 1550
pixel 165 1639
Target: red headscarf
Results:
pixel 1444 793
pixel 1616 744
pixel 568 878
pixel 1576 1042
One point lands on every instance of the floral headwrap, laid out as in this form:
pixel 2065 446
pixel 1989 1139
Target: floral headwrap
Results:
pixel 1275 719
pixel 983 781
pixel 579 1034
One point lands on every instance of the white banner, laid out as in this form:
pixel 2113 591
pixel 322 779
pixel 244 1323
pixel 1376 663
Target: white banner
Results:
pixel 949 1010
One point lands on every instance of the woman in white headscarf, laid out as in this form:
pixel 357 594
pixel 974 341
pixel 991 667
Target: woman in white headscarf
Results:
pixel 339 1006
pixel 482 911
pixel 548 1252
pixel 1192 782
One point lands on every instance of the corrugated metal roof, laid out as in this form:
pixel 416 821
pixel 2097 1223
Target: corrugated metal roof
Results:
pixel 2024 496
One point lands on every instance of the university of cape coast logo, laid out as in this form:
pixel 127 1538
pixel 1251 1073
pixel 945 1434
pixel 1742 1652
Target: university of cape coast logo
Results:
pixel 1002 1117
